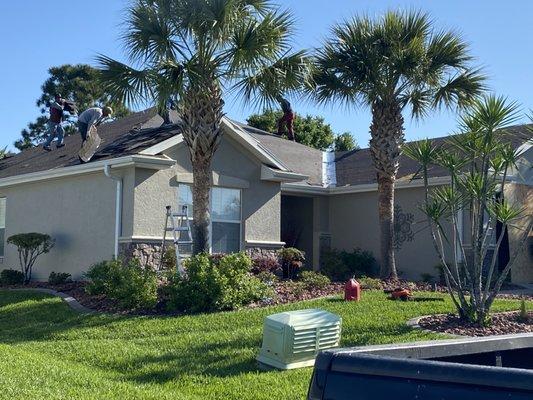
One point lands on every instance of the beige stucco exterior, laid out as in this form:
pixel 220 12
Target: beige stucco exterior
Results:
pixel 522 270
pixel 78 212
pixel 353 224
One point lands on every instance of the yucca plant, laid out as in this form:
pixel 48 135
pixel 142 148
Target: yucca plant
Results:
pixel 478 161
pixel 391 64
pixel 190 53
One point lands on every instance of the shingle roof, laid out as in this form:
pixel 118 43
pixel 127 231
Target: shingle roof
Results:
pixel 355 167
pixel 117 140
pixel 297 157
pixel 139 131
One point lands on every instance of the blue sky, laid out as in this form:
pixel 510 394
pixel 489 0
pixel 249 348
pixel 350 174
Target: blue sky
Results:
pixel 37 34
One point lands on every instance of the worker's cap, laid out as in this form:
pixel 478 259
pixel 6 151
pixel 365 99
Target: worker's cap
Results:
pixel 108 110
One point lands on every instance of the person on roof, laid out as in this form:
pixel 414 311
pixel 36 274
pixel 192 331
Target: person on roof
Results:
pixel 287 119
pixel 55 130
pixel 92 116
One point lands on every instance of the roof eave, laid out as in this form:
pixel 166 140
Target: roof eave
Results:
pixel 139 161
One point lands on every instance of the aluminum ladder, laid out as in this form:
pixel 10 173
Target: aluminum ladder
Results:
pixel 179 224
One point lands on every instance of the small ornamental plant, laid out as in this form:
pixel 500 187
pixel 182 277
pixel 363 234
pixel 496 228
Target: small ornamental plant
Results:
pixel 30 246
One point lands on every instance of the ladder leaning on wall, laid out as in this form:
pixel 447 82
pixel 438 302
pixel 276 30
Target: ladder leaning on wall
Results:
pixel 179 226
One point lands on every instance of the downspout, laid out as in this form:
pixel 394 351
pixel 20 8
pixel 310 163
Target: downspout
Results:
pixel 118 206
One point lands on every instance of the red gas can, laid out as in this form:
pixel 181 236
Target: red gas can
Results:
pixel 352 290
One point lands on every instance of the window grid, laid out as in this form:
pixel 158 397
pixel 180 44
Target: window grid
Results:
pixel 185 198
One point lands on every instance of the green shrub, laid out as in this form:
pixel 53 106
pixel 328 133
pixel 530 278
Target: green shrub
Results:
pixel 216 283
pixel 343 265
pixel 169 259
pixel 131 285
pixel 58 278
pixel 427 278
pixel 314 280
pixel 11 277
pixel 292 260
pixel 369 283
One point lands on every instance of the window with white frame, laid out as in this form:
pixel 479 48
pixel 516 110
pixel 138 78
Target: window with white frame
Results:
pixel 2 224
pixel 225 229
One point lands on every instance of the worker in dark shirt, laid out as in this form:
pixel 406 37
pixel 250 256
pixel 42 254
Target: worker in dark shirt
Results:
pixel 55 130
pixel 287 119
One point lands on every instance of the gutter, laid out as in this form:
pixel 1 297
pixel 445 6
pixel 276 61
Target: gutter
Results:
pixel 143 161
pixel 118 206
pixel 369 187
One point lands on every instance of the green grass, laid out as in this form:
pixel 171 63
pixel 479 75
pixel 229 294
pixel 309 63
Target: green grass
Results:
pixel 48 351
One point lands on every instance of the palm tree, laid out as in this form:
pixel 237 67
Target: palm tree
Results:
pixel 388 65
pixel 190 52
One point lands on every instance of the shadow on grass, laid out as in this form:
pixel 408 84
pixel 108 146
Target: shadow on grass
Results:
pixel 27 316
pixel 220 360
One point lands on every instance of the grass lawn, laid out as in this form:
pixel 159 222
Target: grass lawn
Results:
pixel 48 351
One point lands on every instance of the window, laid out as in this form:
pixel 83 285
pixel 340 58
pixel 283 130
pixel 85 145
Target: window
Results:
pixel 2 224
pixel 225 226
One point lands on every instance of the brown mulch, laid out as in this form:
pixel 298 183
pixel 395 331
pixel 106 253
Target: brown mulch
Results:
pixel 291 292
pixel 501 324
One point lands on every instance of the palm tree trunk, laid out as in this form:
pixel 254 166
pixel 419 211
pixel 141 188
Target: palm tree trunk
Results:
pixel 202 117
pixel 385 143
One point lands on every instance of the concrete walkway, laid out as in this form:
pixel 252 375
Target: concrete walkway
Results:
pixel 71 301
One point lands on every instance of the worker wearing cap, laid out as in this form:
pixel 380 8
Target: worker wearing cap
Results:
pixel 55 130
pixel 92 116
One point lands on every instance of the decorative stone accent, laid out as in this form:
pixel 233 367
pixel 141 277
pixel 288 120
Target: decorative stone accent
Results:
pixel 261 252
pixel 148 254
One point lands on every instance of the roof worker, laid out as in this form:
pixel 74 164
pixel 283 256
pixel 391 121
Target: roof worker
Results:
pixel 55 129
pixel 287 119
pixel 92 116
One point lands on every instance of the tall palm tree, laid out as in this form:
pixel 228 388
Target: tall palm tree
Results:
pixel 396 62
pixel 191 52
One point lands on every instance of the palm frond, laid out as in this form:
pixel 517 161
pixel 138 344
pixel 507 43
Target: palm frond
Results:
pixel 285 76
pixel 149 33
pixel 462 89
pixel 125 83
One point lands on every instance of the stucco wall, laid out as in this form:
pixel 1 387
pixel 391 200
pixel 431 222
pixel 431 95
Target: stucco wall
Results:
pixel 522 270
pixel 234 167
pixel 353 220
pixel 78 212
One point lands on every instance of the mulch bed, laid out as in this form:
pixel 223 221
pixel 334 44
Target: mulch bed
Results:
pixel 287 293
pixel 501 324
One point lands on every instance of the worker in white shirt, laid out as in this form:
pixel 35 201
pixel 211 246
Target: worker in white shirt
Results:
pixel 92 116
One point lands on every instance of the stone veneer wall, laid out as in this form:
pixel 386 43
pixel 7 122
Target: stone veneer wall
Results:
pixel 148 253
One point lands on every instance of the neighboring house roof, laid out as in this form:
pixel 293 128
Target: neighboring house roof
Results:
pixel 355 167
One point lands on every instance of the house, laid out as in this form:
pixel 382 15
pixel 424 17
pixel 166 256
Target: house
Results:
pixel 267 192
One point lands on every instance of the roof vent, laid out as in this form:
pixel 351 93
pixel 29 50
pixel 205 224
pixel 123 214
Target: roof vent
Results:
pixel 292 339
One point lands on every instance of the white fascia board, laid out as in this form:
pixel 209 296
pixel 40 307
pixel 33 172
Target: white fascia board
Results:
pixel 141 161
pixel 253 145
pixel 236 133
pixel 371 187
pixel 162 146
pixel 270 174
